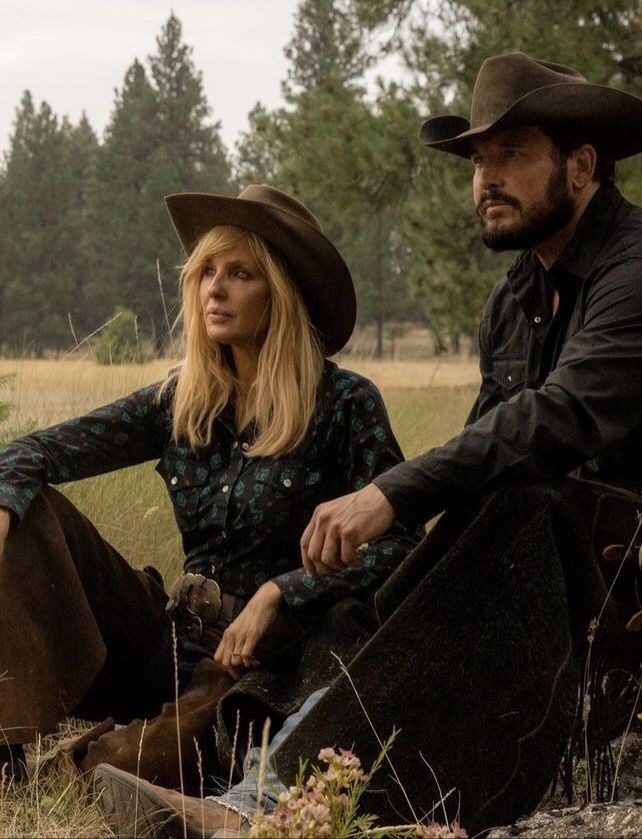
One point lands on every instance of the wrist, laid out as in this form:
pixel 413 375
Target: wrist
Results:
pixel 270 593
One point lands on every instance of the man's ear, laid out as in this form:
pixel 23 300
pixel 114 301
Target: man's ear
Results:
pixel 582 162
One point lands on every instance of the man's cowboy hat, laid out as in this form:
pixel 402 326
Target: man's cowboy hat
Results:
pixel 517 90
pixel 316 265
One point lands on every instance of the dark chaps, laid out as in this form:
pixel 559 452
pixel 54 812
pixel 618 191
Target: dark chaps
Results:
pixel 482 654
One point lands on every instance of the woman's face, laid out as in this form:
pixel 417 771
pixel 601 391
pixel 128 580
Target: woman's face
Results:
pixel 235 298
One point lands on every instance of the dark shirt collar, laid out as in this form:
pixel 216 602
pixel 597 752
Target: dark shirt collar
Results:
pixel 527 277
pixel 582 253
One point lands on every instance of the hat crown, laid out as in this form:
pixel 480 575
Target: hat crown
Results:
pixel 272 197
pixel 504 79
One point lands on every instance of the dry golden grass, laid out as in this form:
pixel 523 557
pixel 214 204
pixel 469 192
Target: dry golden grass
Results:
pixel 427 401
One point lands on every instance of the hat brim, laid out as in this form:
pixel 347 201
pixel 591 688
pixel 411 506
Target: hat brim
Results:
pixel 608 118
pixel 318 268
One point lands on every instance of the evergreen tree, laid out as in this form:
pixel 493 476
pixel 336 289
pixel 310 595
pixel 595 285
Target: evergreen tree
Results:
pixel 42 211
pixel 326 47
pixel 350 160
pixel 158 142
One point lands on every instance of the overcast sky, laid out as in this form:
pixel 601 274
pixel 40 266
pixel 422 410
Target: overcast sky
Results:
pixel 73 53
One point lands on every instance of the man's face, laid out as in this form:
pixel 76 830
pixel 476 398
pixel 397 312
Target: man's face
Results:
pixel 521 189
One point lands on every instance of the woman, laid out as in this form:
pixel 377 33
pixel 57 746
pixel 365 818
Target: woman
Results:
pixel 251 433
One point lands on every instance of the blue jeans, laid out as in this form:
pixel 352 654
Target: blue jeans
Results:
pixel 243 797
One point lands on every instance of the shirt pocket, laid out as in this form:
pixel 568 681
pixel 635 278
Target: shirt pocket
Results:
pixel 509 374
pixel 189 488
pixel 287 494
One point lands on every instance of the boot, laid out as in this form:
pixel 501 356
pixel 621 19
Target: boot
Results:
pixel 150 749
pixel 134 807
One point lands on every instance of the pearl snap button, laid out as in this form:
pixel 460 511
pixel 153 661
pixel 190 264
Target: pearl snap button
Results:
pixel 225 488
pixel 235 445
pixel 287 482
pixel 509 379
pixel 174 481
pixel 245 446
pixel 537 319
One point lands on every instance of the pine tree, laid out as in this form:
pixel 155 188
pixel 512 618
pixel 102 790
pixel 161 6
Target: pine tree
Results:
pixel 41 216
pixel 158 141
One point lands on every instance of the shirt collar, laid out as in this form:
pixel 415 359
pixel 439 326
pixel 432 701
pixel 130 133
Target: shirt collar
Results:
pixel 582 253
pixel 527 277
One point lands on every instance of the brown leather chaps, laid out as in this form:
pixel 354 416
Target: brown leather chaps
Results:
pixel 82 633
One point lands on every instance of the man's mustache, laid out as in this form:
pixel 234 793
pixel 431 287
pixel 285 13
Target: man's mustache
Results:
pixel 496 195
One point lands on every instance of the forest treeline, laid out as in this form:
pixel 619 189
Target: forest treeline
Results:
pixel 83 231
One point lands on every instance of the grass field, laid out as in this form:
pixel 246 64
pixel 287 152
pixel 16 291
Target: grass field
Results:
pixel 427 401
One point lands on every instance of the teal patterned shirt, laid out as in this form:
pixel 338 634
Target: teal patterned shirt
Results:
pixel 241 518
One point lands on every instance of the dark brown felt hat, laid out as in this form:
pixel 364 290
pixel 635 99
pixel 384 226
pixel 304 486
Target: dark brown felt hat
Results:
pixel 517 90
pixel 316 265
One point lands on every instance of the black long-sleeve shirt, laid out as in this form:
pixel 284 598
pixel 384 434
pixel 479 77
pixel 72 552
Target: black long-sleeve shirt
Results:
pixel 560 393
pixel 241 518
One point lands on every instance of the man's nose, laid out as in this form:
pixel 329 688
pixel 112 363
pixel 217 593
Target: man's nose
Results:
pixel 489 175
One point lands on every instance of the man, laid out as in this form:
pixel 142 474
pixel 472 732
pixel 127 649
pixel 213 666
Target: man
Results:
pixel 483 643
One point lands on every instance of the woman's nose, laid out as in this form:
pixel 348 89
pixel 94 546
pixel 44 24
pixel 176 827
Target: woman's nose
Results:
pixel 215 285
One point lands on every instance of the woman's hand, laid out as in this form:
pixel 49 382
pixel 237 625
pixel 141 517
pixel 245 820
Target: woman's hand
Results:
pixel 5 523
pixel 241 637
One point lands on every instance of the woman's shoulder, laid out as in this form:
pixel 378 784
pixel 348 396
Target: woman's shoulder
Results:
pixel 341 387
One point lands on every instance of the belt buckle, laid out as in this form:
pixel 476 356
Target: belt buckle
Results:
pixel 194 600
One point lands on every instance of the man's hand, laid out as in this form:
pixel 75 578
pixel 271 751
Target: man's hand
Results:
pixel 239 640
pixel 5 523
pixel 337 528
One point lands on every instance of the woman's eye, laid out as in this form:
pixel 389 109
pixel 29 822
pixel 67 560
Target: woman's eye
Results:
pixel 208 273
pixel 241 274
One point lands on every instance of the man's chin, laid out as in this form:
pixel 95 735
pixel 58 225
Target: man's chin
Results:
pixel 502 238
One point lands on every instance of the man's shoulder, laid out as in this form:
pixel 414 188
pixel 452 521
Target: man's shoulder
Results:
pixel 624 239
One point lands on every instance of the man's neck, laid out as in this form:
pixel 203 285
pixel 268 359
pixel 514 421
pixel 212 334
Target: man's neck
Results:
pixel 548 252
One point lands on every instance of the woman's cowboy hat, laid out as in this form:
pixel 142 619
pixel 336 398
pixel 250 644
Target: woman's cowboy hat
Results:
pixel 316 265
pixel 517 90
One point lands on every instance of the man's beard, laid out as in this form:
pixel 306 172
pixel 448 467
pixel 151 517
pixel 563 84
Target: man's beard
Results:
pixel 540 223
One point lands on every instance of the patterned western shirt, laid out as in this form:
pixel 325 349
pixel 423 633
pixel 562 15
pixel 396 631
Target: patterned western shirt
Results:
pixel 241 518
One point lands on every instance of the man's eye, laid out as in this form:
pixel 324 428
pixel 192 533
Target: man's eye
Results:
pixel 476 160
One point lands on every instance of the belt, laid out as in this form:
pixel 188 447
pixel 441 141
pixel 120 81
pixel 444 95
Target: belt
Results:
pixel 200 611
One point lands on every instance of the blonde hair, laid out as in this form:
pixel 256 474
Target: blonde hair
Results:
pixel 282 398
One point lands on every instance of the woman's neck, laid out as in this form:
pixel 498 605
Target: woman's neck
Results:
pixel 246 367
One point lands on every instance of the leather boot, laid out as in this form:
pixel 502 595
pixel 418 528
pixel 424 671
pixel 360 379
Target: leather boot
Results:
pixel 150 749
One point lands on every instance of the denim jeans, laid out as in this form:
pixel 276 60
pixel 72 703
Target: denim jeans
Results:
pixel 243 797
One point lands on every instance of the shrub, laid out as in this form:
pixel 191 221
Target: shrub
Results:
pixel 119 342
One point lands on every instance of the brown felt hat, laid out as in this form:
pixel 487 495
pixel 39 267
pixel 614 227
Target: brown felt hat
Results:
pixel 316 265
pixel 517 90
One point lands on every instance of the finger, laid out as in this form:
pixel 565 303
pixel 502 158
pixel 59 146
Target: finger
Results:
pixel 230 644
pixel 308 565
pixel 315 548
pixel 349 553
pixel 330 558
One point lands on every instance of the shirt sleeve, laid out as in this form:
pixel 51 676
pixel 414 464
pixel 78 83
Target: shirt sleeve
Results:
pixel 589 402
pixel 368 449
pixel 123 433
